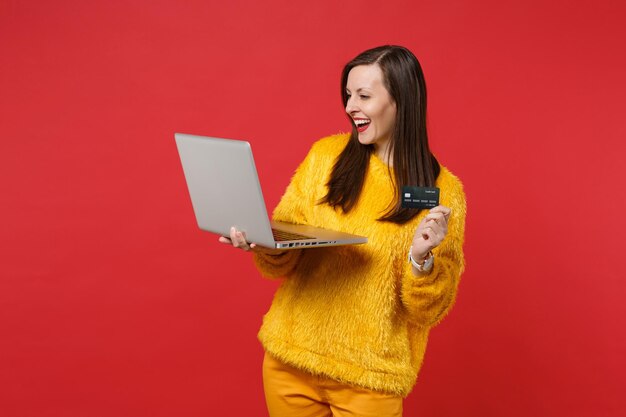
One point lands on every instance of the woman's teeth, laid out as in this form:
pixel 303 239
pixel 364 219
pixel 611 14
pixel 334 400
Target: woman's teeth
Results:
pixel 361 125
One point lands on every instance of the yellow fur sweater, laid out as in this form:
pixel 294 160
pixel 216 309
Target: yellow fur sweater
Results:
pixel 357 314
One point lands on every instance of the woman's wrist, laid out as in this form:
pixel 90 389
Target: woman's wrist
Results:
pixel 422 264
pixel 419 257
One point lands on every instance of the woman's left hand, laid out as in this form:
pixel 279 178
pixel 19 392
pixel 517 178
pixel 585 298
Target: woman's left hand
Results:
pixel 430 232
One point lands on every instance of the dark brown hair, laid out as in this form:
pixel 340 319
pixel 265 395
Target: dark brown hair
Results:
pixel 413 163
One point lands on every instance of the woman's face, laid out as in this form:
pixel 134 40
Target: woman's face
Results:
pixel 370 106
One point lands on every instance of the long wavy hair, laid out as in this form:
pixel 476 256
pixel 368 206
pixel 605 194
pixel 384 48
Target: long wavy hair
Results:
pixel 413 162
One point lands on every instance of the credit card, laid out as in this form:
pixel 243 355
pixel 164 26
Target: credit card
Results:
pixel 420 197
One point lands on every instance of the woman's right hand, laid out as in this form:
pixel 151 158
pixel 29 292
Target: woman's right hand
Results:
pixel 237 239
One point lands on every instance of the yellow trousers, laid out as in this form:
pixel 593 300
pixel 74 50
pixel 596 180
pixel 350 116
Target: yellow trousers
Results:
pixel 290 392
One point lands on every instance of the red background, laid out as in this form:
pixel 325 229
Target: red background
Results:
pixel 113 303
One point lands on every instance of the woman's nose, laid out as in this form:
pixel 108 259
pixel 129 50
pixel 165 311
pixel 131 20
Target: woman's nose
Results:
pixel 351 106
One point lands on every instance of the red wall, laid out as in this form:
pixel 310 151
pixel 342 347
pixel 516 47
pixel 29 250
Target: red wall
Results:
pixel 112 303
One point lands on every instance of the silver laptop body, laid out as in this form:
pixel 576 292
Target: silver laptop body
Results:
pixel 225 191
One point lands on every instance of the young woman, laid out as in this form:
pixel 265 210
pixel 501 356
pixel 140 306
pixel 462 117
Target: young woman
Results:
pixel 347 330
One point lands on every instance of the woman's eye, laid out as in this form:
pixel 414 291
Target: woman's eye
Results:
pixel 364 97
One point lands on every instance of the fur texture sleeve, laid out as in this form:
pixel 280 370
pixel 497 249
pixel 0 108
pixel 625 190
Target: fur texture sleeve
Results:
pixel 428 298
pixel 292 208
pixel 277 266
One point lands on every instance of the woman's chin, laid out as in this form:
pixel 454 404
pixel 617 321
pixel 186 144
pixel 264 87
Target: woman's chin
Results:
pixel 364 139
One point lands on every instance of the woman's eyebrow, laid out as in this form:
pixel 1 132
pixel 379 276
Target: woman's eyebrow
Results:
pixel 358 90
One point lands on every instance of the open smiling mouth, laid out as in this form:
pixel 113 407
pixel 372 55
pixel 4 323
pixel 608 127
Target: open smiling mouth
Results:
pixel 362 124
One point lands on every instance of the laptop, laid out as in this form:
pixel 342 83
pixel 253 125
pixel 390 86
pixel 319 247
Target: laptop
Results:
pixel 225 191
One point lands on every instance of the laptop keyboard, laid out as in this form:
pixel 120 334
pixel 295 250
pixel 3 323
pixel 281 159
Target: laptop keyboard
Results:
pixel 281 235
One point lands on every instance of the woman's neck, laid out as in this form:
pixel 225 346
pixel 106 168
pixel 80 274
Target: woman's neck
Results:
pixel 385 154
